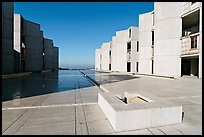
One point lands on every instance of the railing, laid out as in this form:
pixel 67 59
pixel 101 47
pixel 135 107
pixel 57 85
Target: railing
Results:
pixel 187 47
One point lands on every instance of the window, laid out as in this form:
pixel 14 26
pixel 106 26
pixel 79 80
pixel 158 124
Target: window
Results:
pixel 129 33
pixel 194 42
pixel 137 46
pixel 152 37
pixel 110 53
pixel 152 66
pixel 137 66
pixel 129 47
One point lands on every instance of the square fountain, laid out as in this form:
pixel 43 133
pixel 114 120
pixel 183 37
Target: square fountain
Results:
pixel 139 110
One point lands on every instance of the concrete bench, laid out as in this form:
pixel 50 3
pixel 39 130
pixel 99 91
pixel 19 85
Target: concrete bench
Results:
pixel 149 111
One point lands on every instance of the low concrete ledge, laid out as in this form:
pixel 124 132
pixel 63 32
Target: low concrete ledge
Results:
pixel 15 75
pixel 138 115
pixel 153 75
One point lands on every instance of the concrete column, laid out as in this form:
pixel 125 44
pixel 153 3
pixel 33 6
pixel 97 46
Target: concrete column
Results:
pixel 7 38
pixel 200 48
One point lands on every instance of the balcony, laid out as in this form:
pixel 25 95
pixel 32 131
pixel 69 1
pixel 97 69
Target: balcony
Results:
pixel 190 44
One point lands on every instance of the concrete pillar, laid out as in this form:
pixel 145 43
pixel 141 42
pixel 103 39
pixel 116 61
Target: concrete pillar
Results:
pixel 200 48
pixel 7 38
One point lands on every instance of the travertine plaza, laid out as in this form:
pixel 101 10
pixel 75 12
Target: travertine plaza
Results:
pixel 24 48
pixel 136 88
pixel 167 42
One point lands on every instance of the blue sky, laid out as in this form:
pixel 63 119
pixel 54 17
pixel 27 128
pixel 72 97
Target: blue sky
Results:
pixel 78 28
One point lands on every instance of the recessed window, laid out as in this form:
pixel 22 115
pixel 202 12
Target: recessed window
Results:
pixel 129 33
pixel 152 37
pixel 137 46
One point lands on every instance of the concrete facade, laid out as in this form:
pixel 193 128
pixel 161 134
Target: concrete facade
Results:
pixel 169 40
pixel 33 52
pixel 48 54
pixel 28 36
pixel 7 38
pixel 167 49
pixel 98 59
pixel 121 50
pixel 105 54
pixel 55 58
pixel 191 53
pixel 146 52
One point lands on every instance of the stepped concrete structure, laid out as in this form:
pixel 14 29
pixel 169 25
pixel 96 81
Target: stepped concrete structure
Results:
pixel 168 42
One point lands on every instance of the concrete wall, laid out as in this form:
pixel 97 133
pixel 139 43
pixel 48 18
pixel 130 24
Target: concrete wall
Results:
pixel 48 54
pixel 105 48
pixel 119 51
pixel 97 58
pixel 134 54
pixel 55 57
pixel 167 38
pixel 145 42
pixel 34 46
pixel 7 38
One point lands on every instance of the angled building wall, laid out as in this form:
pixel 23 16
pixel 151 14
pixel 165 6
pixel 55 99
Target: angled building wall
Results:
pixel 34 46
pixel 7 38
pixel 48 54
pixel 98 59
pixel 168 30
pixel 55 58
pixel 105 52
pixel 28 45
pixel 146 29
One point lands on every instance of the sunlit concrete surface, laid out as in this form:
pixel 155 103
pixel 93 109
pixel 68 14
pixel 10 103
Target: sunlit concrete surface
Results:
pixel 71 108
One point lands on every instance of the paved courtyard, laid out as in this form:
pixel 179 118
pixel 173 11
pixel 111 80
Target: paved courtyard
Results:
pixel 76 112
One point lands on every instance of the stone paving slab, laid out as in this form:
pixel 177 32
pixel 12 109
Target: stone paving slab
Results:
pixel 79 119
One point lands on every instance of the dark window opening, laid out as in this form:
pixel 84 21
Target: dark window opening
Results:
pixel 152 37
pixel 110 53
pixel 128 66
pixel 129 33
pixel 152 66
pixel 137 46
pixel 109 66
pixel 137 67
pixel 128 46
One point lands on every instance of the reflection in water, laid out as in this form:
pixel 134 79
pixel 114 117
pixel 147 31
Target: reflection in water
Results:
pixel 39 84
pixel 54 81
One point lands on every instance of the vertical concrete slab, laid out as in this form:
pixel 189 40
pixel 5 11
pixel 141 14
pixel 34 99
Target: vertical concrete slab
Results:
pixel 168 30
pixel 7 38
pixel 48 54
pixel 145 39
pixel 55 57
pixel 98 59
pixel 34 46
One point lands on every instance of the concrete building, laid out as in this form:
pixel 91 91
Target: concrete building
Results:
pixel 191 39
pixel 47 54
pixel 98 58
pixel 28 42
pixel 55 58
pixel 170 42
pixel 121 54
pixel 106 56
pixel 33 52
pixel 146 40
pixel 7 38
